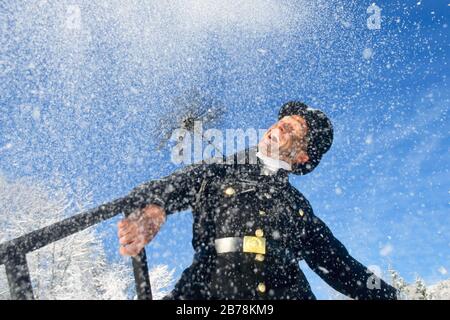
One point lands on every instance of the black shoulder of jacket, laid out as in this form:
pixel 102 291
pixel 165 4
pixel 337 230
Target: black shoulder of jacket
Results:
pixel 299 203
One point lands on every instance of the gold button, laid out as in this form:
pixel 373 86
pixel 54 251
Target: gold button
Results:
pixel 262 213
pixel 259 233
pixel 259 257
pixel 262 287
pixel 229 191
pixel 301 213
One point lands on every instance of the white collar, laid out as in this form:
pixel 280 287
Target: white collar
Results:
pixel 271 166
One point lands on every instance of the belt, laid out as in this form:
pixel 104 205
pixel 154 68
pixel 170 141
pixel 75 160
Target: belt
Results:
pixel 247 244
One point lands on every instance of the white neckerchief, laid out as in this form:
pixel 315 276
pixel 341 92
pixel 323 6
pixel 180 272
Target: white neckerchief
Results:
pixel 271 166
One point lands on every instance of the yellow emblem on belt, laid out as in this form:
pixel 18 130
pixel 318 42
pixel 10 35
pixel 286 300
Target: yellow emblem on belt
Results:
pixel 254 245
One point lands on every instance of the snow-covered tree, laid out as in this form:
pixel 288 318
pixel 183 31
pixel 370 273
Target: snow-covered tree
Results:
pixel 398 283
pixel 75 267
pixel 161 278
pixel 419 290
pixel 440 290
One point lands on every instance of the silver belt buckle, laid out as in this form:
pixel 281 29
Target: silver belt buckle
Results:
pixel 248 244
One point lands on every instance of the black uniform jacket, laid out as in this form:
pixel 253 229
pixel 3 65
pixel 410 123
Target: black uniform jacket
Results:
pixel 236 200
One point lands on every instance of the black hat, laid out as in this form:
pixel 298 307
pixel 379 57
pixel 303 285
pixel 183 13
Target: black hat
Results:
pixel 320 133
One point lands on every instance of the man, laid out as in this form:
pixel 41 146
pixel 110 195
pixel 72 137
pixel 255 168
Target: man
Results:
pixel 251 227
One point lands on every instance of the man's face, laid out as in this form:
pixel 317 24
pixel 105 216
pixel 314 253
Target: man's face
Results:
pixel 286 140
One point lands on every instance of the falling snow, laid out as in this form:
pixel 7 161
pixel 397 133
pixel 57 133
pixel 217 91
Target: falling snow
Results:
pixel 92 91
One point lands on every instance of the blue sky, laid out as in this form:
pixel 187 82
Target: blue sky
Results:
pixel 82 103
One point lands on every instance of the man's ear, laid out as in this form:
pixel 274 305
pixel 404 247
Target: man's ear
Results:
pixel 301 158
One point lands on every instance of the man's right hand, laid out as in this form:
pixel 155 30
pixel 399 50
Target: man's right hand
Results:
pixel 139 229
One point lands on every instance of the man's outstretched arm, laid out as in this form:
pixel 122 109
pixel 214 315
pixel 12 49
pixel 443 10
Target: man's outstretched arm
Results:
pixel 176 192
pixel 328 257
pixel 153 201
